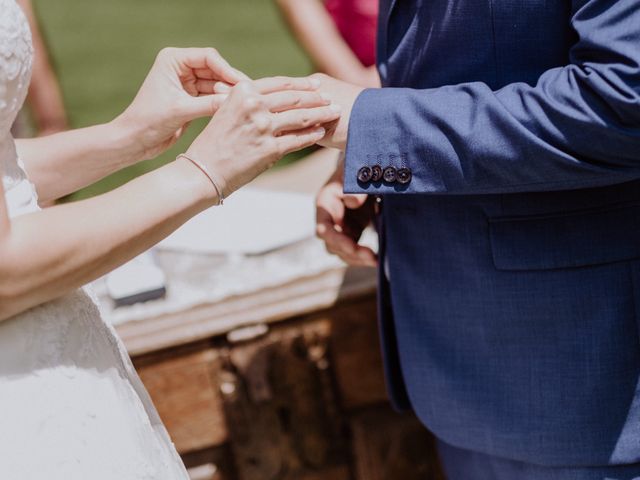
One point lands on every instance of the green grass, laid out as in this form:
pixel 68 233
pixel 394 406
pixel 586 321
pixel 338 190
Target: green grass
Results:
pixel 102 50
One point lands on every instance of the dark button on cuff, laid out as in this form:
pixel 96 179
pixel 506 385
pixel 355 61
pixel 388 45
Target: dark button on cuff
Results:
pixel 364 174
pixel 376 173
pixel 404 176
pixel 389 175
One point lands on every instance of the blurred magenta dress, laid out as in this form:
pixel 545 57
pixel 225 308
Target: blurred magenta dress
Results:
pixel 357 21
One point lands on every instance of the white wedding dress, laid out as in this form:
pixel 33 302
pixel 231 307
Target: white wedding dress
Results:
pixel 71 404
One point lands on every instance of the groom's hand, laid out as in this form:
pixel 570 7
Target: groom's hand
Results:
pixel 341 219
pixel 343 94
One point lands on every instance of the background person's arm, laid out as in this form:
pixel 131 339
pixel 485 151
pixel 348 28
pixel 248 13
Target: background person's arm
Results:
pixel 46 254
pixel 578 127
pixel 315 30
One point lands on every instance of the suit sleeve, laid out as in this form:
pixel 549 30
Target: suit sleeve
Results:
pixel 578 127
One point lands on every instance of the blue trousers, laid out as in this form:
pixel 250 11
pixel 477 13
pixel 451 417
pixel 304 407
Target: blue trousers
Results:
pixel 461 464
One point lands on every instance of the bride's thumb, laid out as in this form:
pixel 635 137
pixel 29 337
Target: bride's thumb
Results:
pixel 204 106
pixel 354 202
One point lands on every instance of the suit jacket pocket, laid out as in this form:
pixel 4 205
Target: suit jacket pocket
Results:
pixel 568 240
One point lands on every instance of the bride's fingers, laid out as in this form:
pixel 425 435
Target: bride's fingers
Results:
pixel 287 100
pixel 187 60
pixel 205 106
pixel 222 87
pixel 304 118
pixel 294 141
pixel 207 87
pixel 277 84
pixel 205 73
pixel 209 59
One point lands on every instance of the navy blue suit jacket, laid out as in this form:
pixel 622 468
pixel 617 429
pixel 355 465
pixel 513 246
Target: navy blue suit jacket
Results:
pixel 510 318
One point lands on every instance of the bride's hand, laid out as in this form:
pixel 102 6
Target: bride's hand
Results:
pixel 182 85
pixel 259 123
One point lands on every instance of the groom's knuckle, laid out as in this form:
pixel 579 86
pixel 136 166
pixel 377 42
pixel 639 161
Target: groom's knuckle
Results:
pixel 260 102
pixel 250 103
pixel 321 230
pixel 280 149
pixel 285 82
pixel 295 101
pixel 275 146
pixel 305 121
pixel 262 124
pixel 262 127
pixel 315 98
pixel 244 87
pixel 318 76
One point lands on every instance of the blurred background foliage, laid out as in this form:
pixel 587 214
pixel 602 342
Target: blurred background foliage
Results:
pixel 102 50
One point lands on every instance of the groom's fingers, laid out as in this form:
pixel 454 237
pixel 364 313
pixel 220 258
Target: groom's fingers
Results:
pixel 304 118
pixel 287 100
pixel 335 241
pixel 329 220
pixel 277 84
pixel 345 247
pixel 362 257
pixel 348 250
pixel 355 201
pixel 294 141
pixel 329 216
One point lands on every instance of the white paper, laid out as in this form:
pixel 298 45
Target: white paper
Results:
pixel 137 276
pixel 251 222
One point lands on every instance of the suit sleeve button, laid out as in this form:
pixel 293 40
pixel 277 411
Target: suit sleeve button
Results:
pixel 364 174
pixel 376 173
pixel 404 176
pixel 389 175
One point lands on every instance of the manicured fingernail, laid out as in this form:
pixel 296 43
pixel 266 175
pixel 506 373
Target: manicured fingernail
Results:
pixel 315 83
pixel 320 131
pixel 326 97
pixel 335 107
pixel 223 88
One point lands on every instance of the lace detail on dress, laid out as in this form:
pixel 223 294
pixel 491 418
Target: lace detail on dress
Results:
pixel 16 53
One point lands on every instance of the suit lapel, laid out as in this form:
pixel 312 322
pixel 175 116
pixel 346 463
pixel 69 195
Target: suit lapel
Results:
pixel 390 6
pixel 386 11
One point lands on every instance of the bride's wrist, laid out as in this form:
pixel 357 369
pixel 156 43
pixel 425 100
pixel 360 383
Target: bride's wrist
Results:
pixel 215 175
pixel 198 181
pixel 126 138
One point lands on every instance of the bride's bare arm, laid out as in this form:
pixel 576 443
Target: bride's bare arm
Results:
pixel 179 88
pixel 65 162
pixel 46 254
